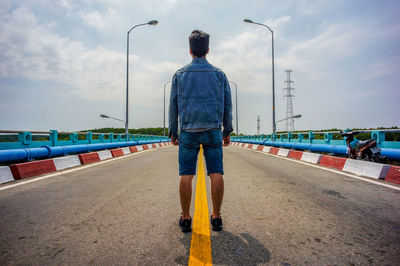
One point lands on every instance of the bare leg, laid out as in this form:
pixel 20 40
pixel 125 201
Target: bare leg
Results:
pixel 217 193
pixel 185 191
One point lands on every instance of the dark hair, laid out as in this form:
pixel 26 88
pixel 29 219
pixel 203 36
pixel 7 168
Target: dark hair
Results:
pixel 198 42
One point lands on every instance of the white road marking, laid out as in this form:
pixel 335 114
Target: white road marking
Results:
pixel 334 171
pixel 73 170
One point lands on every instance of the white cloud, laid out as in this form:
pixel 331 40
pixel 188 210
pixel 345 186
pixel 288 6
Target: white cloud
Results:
pixel 310 7
pixel 274 24
pixel 97 19
pixel 30 50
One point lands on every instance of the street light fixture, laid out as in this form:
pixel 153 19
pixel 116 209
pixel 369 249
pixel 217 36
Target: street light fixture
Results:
pixel 151 22
pixel 165 84
pixel 237 119
pixel 295 116
pixel 273 72
pixel 106 116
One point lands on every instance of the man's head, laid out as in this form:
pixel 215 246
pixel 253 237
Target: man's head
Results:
pixel 198 42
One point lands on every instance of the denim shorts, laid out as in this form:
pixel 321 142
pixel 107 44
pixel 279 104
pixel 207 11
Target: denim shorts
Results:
pixel 189 146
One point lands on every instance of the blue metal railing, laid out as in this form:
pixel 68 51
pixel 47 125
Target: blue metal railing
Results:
pixel 34 139
pixel 39 145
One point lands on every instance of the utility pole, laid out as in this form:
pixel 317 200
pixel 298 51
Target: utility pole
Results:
pixel 289 123
pixel 258 125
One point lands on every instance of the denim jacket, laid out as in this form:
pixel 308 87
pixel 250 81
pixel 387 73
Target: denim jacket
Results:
pixel 201 96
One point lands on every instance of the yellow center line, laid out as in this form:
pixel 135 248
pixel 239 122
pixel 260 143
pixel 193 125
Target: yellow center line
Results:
pixel 200 248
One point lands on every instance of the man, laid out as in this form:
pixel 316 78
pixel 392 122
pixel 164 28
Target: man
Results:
pixel 201 98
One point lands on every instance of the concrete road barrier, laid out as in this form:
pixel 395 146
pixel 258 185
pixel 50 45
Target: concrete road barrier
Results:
pixel 66 162
pixel 29 169
pixel 145 147
pixel 117 152
pixel 255 147
pixel 133 149
pixel 154 146
pixel 274 150
pixel 364 168
pixel 149 146
pixel 90 157
pixel 5 175
pixel 126 150
pixel 103 155
pixel 266 149
pixel 139 148
pixel 295 154
pixel 243 145
pixel 393 174
pixel 249 146
pixel 283 152
pixel 260 147
pixel 311 157
pixel 333 161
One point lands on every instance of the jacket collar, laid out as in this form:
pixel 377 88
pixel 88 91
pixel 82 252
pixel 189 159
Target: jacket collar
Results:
pixel 199 59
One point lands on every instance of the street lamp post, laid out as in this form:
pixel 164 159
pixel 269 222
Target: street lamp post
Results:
pixel 273 73
pixel 165 84
pixel 236 98
pixel 152 22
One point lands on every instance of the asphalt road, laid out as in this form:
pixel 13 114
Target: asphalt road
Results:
pixel 125 212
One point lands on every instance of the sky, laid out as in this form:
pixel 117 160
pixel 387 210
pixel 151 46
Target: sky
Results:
pixel 63 63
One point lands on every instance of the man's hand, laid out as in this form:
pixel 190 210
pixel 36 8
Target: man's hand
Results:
pixel 174 141
pixel 227 140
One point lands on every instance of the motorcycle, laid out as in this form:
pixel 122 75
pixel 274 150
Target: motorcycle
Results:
pixel 367 150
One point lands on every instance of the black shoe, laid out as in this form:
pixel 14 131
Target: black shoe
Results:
pixel 185 225
pixel 216 223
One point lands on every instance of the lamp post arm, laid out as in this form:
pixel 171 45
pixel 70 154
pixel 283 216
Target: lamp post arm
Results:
pixel 137 26
pixel 292 117
pixel 264 26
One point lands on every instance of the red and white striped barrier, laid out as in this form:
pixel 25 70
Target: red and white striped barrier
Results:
pixel 393 175
pixel 29 169
pixel 274 150
pixel 369 169
pixel 104 155
pixel 65 162
pixel 126 150
pixel 139 148
pixel 90 157
pixel 133 149
pixel 311 157
pixel 295 154
pixel 333 162
pixel 5 175
pixel 283 152
pixel 117 152
pixel 35 168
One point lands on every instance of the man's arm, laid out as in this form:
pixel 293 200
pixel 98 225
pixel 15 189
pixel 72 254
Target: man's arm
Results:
pixel 227 122
pixel 173 112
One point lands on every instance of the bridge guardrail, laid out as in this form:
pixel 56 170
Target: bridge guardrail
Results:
pixel 327 137
pixel 11 139
pixel 327 144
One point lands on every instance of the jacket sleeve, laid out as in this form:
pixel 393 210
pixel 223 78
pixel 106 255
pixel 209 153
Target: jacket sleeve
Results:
pixel 227 121
pixel 173 110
